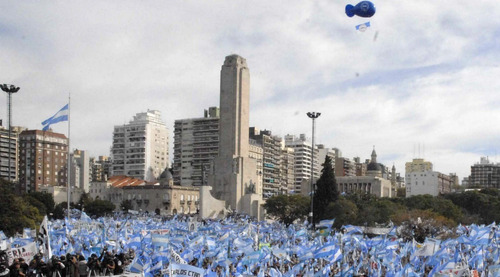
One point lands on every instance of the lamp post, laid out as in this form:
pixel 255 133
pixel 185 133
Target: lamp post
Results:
pixel 10 89
pixel 313 116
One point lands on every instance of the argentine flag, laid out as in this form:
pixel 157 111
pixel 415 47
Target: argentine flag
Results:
pixel 61 115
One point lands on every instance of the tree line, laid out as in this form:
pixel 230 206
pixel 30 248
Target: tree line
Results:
pixel 26 210
pixel 478 206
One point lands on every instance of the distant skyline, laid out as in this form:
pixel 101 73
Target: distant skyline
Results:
pixel 423 73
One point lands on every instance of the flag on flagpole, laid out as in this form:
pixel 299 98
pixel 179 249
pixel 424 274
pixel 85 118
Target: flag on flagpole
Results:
pixel 43 237
pixel 61 115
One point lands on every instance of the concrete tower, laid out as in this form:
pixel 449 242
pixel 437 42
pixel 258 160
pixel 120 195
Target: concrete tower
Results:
pixel 234 173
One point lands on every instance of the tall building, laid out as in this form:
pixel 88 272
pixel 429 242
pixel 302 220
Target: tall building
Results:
pixel 196 144
pixel 418 165
pixel 344 167
pixel 485 174
pixel 140 148
pixel 360 167
pixel 234 174
pixel 303 160
pixel 287 169
pixel 100 168
pixel 421 179
pixel 80 170
pixel 271 170
pixel 43 156
pixel 323 152
pixel 256 152
pixel 9 151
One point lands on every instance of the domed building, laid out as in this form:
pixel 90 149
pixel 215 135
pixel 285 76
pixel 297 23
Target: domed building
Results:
pixel 373 168
pixel 374 182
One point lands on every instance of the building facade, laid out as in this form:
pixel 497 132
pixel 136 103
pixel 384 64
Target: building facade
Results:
pixel 364 184
pixel 100 168
pixel 428 182
pixel 271 170
pixel 196 144
pixel 80 170
pixel 256 152
pixel 418 165
pixel 484 174
pixel 287 169
pixel 140 148
pixel 303 159
pixel 43 158
pixel 157 197
pixel 344 167
pixel 9 152
pixel 323 152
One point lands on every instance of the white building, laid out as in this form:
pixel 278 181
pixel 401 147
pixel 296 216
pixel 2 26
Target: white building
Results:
pixel 364 184
pixel 421 179
pixel 80 170
pixel 302 151
pixel 9 148
pixel 323 152
pixel 196 144
pixel 140 148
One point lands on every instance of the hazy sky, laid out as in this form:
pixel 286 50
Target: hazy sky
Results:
pixel 424 76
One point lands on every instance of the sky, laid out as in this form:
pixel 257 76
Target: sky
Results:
pixel 421 82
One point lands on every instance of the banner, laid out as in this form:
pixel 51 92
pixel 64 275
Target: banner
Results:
pixel 176 258
pixel 27 252
pixel 184 270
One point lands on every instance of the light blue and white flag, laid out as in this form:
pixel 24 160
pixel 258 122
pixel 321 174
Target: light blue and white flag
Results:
pixel 325 251
pixel 61 115
pixel 362 27
pixel 160 240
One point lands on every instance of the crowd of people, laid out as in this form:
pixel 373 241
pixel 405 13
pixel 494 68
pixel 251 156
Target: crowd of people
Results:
pixel 69 265
pixel 241 246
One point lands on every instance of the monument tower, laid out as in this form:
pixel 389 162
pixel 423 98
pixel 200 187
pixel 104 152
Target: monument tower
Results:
pixel 234 173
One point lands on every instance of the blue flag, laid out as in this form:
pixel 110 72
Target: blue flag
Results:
pixel 61 115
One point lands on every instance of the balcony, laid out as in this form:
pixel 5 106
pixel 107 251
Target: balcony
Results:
pixel 166 201
pixel 197 202
pixel 189 202
pixel 182 202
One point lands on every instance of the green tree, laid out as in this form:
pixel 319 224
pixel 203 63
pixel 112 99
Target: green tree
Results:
pixel 15 212
pixel 85 199
pixel 326 190
pixel 59 210
pixel 344 211
pixel 288 208
pixel 46 198
pixel 126 205
pixel 99 208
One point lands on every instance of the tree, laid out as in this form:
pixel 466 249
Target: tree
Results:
pixel 15 212
pixel 46 198
pixel 326 190
pixel 59 210
pixel 288 208
pixel 343 210
pixel 126 205
pixel 99 208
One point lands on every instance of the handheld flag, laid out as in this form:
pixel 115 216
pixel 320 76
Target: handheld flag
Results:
pixel 61 115
pixel 43 237
pixel 363 27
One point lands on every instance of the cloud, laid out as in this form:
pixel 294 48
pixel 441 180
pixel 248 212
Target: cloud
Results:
pixel 429 78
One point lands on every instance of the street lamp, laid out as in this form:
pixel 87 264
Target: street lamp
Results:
pixel 10 89
pixel 313 116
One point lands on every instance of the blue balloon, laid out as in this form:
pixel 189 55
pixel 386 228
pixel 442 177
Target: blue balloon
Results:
pixel 363 9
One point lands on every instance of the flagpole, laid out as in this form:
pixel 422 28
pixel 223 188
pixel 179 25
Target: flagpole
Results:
pixel 68 179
